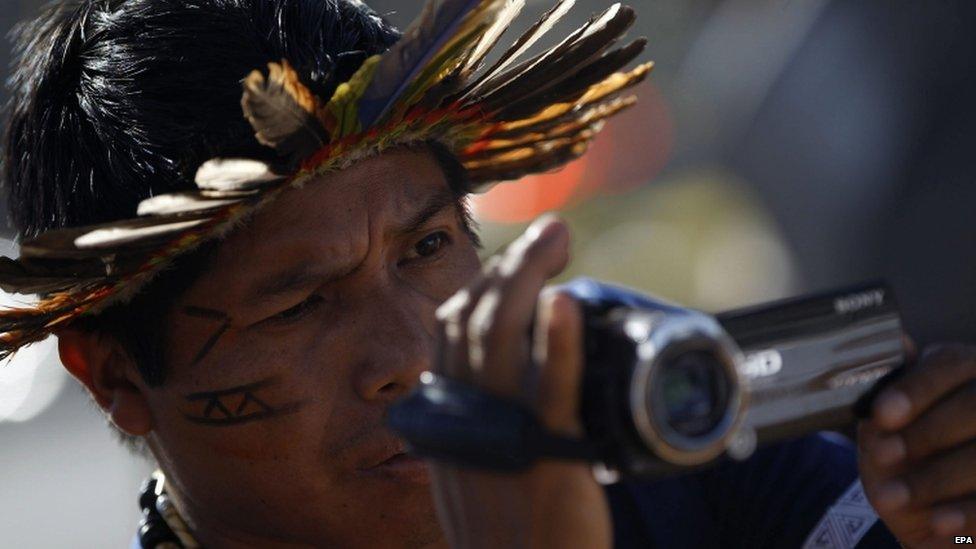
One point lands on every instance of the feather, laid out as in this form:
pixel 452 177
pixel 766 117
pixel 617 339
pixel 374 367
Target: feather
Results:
pixel 495 152
pixel 515 164
pixel 111 237
pixel 92 267
pixel 559 126
pixel 16 278
pixel 574 85
pixel 499 79
pixel 422 40
pixel 93 242
pixel 502 22
pixel 235 174
pixel 433 97
pixel 522 45
pixel 606 90
pixel 564 62
pixel 517 49
pixel 436 72
pixel 592 120
pixel 344 103
pixel 178 203
pixel 22 326
pixel 283 112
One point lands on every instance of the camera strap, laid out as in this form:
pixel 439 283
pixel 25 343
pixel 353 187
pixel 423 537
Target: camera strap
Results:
pixel 452 421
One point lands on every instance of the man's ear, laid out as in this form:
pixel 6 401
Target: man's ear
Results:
pixel 109 374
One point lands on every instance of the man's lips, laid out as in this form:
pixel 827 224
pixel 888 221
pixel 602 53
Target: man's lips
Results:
pixel 400 466
pixel 391 460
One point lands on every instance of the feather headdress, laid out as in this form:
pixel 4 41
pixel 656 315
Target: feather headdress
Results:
pixel 514 117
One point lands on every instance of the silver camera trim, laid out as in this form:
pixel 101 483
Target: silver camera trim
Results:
pixel 656 332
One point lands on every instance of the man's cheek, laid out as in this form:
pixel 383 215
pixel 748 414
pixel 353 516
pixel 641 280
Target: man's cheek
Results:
pixel 458 270
pixel 255 404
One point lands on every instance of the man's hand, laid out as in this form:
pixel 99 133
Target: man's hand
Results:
pixel 486 341
pixel 918 451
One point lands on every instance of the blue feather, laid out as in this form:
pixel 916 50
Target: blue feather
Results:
pixel 398 67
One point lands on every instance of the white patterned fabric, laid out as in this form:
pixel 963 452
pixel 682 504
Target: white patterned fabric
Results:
pixel 845 523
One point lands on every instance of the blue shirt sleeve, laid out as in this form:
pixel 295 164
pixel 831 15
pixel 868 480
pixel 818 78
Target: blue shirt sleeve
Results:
pixel 774 499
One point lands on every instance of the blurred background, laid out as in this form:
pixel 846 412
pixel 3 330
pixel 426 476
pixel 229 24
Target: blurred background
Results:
pixel 778 147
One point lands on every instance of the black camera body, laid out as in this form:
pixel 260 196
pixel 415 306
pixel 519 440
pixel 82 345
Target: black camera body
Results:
pixel 668 389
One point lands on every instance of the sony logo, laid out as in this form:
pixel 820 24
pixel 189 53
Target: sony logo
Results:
pixel 856 302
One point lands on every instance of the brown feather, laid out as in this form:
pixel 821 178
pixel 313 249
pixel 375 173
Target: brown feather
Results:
pixel 96 241
pixel 515 164
pixel 524 42
pixel 490 85
pixel 574 85
pixel 435 97
pixel 15 278
pixel 559 113
pixel 598 34
pixel 580 117
pixel 283 112
pixel 592 120
pixel 534 143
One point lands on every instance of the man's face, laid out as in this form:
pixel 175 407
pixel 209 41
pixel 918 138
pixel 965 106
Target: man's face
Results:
pixel 285 355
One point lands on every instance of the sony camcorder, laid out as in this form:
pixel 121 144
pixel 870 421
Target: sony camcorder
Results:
pixel 667 388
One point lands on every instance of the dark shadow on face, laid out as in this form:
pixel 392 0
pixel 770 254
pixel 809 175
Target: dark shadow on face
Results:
pixel 329 291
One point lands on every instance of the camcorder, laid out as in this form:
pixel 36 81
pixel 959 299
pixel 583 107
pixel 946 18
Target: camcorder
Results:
pixel 668 389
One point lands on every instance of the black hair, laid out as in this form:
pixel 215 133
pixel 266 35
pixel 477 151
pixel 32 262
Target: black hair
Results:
pixel 113 101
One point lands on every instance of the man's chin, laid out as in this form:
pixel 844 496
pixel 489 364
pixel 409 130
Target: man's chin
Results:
pixel 403 506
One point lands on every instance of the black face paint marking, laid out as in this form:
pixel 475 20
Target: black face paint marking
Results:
pixel 237 405
pixel 211 314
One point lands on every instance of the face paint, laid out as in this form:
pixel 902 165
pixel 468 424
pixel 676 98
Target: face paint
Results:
pixel 211 314
pixel 236 405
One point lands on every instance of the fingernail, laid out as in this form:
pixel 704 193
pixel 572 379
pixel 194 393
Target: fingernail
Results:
pixel 890 450
pixel 892 496
pixel 948 521
pixel 893 407
pixel 541 227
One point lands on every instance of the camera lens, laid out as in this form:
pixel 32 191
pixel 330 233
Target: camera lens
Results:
pixel 694 390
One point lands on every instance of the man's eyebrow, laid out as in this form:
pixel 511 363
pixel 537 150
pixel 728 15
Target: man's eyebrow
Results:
pixel 297 277
pixel 304 275
pixel 434 205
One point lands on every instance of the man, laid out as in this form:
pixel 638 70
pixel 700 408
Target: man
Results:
pixel 252 330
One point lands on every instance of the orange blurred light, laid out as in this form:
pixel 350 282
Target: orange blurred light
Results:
pixel 631 150
pixel 517 202
pixel 634 147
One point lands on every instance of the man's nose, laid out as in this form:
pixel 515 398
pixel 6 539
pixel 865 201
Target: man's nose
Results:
pixel 397 348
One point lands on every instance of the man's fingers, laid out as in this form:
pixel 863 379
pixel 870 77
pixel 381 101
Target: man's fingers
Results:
pixel 911 350
pixel 941 479
pixel 559 353
pixel 881 454
pixel 453 316
pixel 498 329
pixel 954 518
pixel 950 423
pixel 940 370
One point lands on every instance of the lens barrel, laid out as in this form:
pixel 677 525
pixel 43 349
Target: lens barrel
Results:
pixel 686 399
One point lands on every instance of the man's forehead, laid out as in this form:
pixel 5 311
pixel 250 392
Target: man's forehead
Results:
pixel 333 218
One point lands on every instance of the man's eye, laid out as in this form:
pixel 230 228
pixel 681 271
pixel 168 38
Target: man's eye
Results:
pixel 429 245
pixel 298 311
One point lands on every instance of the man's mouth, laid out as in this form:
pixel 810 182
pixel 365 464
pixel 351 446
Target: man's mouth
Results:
pixel 401 466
